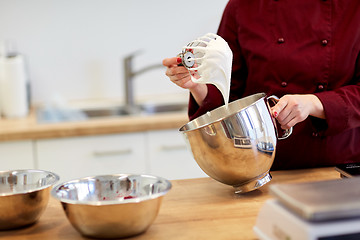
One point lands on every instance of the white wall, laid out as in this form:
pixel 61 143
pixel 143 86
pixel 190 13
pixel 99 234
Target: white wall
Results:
pixel 75 48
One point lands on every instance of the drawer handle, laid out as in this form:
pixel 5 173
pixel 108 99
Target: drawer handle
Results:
pixel 172 148
pixel 112 152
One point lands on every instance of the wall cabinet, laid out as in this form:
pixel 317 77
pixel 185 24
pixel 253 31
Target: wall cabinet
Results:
pixel 162 153
pixel 16 155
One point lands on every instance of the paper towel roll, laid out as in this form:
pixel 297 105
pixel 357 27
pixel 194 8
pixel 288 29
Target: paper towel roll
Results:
pixel 13 92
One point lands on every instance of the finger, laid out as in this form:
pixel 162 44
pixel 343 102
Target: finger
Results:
pixel 287 123
pixel 279 107
pixel 294 118
pixel 292 114
pixel 181 76
pixel 175 70
pixel 177 79
pixel 171 61
pixel 292 122
pixel 184 82
pixel 286 115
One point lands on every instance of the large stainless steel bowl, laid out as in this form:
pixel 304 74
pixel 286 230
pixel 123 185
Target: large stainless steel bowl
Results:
pixel 112 206
pixel 24 195
pixel 236 144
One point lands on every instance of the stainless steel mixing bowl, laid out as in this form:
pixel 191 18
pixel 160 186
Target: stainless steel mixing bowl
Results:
pixel 24 195
pixel 112 206
pixel 236 144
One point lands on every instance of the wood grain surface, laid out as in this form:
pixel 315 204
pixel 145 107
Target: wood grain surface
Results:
pixel 194 209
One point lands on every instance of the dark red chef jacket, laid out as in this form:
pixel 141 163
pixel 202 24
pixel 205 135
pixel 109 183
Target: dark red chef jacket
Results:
pixel 296 47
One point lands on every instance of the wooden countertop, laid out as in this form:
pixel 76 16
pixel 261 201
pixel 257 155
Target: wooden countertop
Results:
pixel 29 128
pixel 194 209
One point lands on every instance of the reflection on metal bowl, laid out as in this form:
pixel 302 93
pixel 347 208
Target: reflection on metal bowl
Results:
pixel 112 206
pixel 24 195
pixel 236 144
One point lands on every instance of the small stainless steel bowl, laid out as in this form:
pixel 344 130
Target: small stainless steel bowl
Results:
pixel 24 195
pixel 112 206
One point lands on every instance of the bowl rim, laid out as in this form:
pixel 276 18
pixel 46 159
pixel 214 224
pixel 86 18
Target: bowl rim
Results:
pixel 111 202
pixel 184 129
pixel 51 183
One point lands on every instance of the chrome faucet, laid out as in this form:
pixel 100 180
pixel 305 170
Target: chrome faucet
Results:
pixel 129 75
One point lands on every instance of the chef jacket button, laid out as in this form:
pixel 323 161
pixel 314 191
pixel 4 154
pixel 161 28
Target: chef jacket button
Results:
pixel 324 42
pixel 281 40
pixel 320 87
pixel 315 134
pixel 284 84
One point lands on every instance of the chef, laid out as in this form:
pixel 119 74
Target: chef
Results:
pixel 306 52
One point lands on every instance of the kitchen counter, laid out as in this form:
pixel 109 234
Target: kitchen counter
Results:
pixel 29 128
pixel 194 209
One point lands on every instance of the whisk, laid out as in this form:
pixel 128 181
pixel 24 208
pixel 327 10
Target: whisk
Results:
pixel 209 60
pixel 193 54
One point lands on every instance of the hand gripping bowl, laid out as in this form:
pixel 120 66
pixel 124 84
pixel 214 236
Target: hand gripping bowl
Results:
pixel 236 144
pixel 24 195
pixel 112 206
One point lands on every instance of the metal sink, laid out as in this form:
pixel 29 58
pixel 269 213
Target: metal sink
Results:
pixel 144 109
pixel 163 108
pixel 51 115
pixel 105 112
